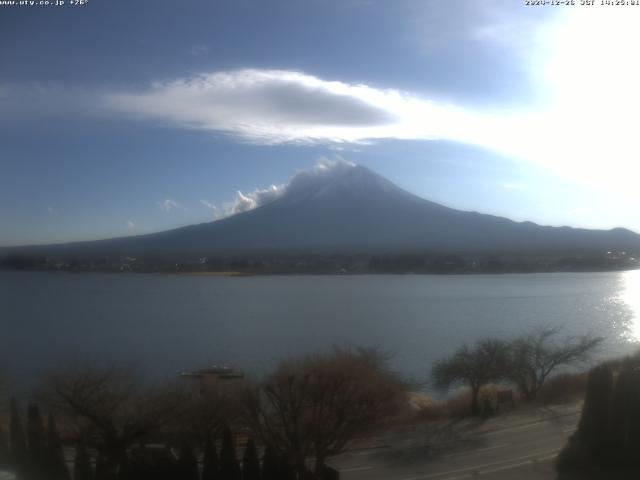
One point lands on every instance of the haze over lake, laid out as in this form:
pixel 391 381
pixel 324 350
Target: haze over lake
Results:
pixel 172 323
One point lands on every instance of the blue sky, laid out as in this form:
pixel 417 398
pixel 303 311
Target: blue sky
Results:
pixel 120 117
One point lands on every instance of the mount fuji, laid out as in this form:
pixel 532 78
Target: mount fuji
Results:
pixel 350 209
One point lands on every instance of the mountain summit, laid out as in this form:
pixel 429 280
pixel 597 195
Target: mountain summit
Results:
pixel 345 208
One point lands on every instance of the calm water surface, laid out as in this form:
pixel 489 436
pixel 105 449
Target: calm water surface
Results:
pixel 171 323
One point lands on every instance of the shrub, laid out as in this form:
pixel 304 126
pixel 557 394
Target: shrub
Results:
pixel 474 366
pixel 561 388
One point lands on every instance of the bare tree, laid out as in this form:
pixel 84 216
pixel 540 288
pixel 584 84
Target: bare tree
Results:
pixel 112 406
pixel 205 415
pixel 314 407
pixel 535 355
pixel 486 361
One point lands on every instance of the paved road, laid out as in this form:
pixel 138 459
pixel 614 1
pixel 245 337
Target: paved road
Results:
pixel 518 445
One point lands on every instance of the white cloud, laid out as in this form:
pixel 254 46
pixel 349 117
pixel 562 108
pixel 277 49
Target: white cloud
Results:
pixel 244 202
pixel 209 205
pixel 130 225
pixel 277 106
pixel 197 50
pixel 583 126
pixel 169 205
pixel 51 210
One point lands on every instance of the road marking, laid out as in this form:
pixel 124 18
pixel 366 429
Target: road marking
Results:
pixel 471 469
pixel 569 430
pixel 505 467
pixel 528 426
pixel 517 465
pixel 548 457
pixel 476 450
pixel 355 469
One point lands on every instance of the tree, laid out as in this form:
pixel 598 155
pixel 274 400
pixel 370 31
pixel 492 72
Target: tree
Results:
pixel 535 355
pixel 593 426
pixel 38 465
pixel 124 469
pixel 269 464
pixel 210 467
pixel 4 450
pixel 5 457
pixel 314 407
pixel 286 471
pixel 18 443
pixel 188 463
pixel 104 470
pixel 204 414
pixel 36 439
pixel 250 462
pixel 606 442
pixel 115 406
pixel 475 366
pixel 229 468
pixel 57 465
pixel 82 464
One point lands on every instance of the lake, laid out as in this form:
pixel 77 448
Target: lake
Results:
pixel 172 323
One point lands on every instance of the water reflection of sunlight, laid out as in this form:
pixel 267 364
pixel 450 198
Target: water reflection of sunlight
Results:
pixel 631 297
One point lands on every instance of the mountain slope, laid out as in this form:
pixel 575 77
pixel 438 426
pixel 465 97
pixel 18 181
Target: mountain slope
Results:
pixel 349 209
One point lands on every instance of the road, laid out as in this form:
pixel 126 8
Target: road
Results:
pixel 520 445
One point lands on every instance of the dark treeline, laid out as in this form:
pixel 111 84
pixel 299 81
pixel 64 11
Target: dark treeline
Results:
pixel 331 264
pixel 36 453
pixel 105 423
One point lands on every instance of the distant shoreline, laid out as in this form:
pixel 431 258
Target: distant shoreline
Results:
pixel 333 264
pixel 236 274
pixel 211 274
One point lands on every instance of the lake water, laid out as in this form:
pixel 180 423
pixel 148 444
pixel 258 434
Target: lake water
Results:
pixel 171 323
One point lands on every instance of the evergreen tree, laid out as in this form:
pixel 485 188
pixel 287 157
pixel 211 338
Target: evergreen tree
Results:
pixel 286 470
pixel 82 464
pixel 269 464
pixel 124 469
pixel 229 468
pixel 606 439
pixel 37 447
pixel 4 450
pixel 57 465
pixel 188 463
pixel 18 444
pixel 633 440
pixel 250 462
pixel 102 470
pixel 619 426
pixel 593 427
pixel 210 467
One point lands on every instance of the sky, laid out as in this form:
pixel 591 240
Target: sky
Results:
pixel 123 118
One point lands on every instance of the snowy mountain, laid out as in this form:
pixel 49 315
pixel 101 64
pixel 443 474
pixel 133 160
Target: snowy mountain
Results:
pixel 350 209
